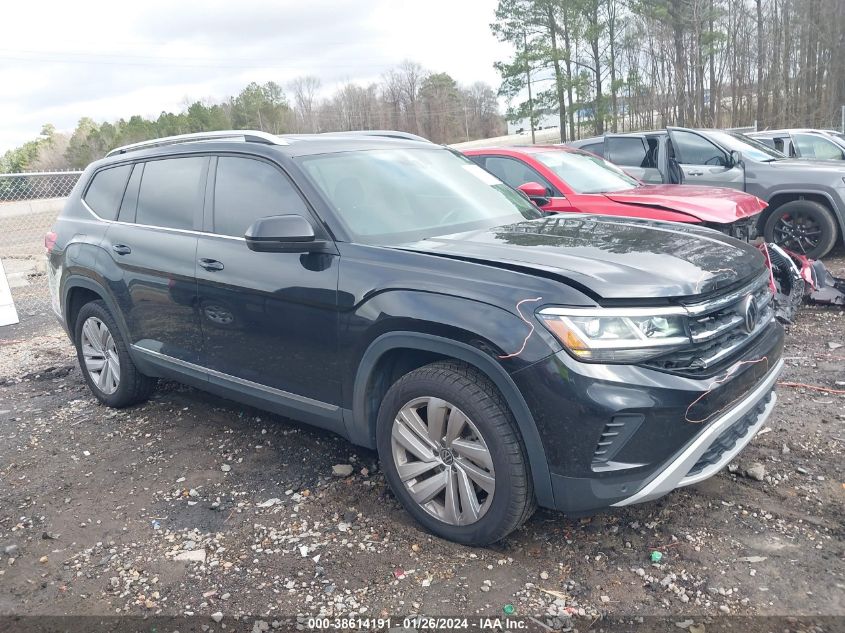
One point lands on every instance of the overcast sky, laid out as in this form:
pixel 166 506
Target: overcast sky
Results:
pixel 60 61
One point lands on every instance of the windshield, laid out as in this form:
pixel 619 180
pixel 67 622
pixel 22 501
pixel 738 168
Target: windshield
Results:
pixel 393 196
pixel 586 173
pixel 749 147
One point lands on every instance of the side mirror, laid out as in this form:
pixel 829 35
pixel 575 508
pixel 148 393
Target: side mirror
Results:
pixel 536 192
pixel 283 234
pixel 736 158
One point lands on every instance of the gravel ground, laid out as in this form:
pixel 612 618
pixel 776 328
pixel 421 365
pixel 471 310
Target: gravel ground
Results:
pixel 194 505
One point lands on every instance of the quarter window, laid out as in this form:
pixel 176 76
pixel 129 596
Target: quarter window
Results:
pixel 247 189
pixel 106 191
pixel 171 192
pixel 594 148
pixel 692 149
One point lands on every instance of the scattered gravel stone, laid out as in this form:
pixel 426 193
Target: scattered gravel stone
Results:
pixel 342 470
pixel 217 616
pixel 756 471
pixel 196 555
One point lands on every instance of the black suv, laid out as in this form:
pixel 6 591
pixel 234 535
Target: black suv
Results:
pixel 395 293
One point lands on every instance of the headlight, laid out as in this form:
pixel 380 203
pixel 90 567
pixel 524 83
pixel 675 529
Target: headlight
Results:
pixel 617 335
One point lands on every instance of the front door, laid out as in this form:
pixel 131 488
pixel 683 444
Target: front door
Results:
pixel 515 172
pixel 703 162
pixel 153 251
pixel 269 319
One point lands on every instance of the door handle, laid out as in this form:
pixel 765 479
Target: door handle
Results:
pixel 210 264
pixel 695 173
pixel 121 249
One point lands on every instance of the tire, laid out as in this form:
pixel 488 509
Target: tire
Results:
pixel 457 389
pixel 100 344
pixel 803 226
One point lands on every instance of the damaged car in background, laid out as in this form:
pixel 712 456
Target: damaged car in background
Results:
pixel 797 223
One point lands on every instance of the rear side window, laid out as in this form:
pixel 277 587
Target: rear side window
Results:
pixel 247 189
pixel 628 151
pixel 106 191
pixel 171 192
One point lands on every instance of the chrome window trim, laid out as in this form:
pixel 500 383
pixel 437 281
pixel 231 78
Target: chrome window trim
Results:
pixel 161 228
pixel 234 379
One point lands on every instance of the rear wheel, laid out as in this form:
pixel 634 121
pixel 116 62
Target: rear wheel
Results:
pixel 104 359
pixel 453 455
pixel 802 226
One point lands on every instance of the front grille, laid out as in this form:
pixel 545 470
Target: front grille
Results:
pixel 718 330
pixel 730 436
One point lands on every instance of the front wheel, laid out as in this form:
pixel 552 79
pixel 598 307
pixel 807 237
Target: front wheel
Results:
pixel 802 226
pixel 453 455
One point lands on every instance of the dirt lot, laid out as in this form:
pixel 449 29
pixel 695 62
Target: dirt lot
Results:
pixel 99 507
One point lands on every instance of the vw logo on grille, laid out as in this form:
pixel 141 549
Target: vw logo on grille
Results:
pixel 750 313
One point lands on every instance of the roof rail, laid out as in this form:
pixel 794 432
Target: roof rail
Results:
pixel 249 136
pixel 385 133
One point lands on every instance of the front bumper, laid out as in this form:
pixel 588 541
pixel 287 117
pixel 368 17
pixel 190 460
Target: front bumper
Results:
pixel 619 434
pixel 716 445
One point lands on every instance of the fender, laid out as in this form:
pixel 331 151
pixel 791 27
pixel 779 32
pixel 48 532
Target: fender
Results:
pixel 358 427
pixel 75 280
pixel 838 213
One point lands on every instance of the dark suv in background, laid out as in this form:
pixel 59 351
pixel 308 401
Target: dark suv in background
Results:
pixel 395 293
pixel 806 198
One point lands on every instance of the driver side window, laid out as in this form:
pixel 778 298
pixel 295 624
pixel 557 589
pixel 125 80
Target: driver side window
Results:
pixel 515 173
pixel 811 146
pixel 692 149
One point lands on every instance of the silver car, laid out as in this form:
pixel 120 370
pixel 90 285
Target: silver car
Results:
pixel 806 198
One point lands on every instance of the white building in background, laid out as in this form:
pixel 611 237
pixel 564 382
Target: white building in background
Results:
pixel 542 122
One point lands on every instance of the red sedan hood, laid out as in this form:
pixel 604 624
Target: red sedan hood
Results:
pixel 708 204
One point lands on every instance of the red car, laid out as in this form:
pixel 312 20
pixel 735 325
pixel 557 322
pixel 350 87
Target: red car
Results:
pixel 564 179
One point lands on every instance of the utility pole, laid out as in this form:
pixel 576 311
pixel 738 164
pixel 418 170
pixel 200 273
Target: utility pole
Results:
pixel 528 78
pixel 466 119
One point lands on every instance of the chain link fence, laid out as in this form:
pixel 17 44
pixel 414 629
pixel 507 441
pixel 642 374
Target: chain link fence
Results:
pixel 29 204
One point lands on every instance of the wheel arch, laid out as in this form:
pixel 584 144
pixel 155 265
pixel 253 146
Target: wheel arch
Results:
pixel 79 290
pixel 781 197
pixel 379 363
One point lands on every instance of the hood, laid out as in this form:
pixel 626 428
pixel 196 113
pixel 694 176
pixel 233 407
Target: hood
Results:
pixel 809 164
pixel 611 258
pixel 708 204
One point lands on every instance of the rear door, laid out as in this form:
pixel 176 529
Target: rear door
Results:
pixel 153 251
pixel 269 320
pixel 637 155
pixel 703 162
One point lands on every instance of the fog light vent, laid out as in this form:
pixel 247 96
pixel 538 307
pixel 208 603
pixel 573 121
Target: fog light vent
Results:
pixel 614 436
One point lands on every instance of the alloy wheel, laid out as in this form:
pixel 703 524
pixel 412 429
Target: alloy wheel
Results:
pixel 99 353
pixel 798 232
pixel 443 461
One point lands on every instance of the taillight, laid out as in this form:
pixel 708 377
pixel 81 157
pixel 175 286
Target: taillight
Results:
pixel 50 241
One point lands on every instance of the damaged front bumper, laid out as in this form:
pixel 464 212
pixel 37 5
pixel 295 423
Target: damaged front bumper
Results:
pixel 719 442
